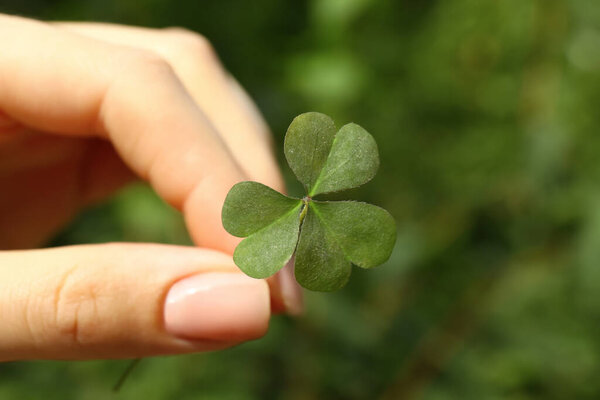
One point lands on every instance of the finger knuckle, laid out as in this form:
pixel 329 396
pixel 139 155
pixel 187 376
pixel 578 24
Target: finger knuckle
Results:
pixel 188 43
pixel 75 309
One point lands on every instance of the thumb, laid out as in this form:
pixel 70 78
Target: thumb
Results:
pixel 125 301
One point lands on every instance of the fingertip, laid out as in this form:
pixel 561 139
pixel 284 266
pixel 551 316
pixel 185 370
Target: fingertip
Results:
pixel 202 212
pixel 286 294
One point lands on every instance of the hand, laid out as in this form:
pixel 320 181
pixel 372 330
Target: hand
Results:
pixel 84 109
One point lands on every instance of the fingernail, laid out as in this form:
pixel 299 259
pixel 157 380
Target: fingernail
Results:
pixel 218 306
pixel 290 290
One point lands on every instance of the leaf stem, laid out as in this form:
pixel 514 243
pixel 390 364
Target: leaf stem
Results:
pixel 305 202
pixel 126 374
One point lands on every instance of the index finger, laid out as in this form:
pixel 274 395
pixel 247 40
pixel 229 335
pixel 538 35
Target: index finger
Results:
pixel 218 94
pixel 69 84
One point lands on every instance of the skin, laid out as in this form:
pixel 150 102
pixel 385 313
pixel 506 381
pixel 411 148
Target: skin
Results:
pixel 84 110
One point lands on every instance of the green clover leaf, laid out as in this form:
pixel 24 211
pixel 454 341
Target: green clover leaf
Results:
pixel 327 237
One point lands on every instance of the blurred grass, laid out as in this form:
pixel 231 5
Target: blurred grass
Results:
pixel 487 117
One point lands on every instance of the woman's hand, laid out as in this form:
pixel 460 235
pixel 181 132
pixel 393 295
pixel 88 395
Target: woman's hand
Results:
pixel 84 109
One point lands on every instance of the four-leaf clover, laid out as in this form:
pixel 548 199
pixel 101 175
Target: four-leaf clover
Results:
pixel 327 237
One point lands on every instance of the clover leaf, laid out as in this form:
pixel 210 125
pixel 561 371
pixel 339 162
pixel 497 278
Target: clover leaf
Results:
pixel 326 237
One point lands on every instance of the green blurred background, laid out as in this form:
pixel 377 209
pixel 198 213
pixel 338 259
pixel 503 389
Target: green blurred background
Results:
pixel 487 116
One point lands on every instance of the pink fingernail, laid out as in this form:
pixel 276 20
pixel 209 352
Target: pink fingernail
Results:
pixel 218 306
